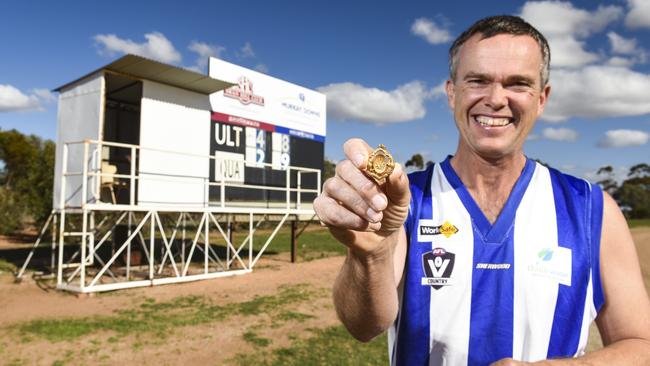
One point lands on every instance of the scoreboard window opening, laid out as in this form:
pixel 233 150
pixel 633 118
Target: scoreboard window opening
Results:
pixel 256 156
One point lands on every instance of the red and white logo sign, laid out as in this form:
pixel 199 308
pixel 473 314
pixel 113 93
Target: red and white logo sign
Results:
pixel 244 92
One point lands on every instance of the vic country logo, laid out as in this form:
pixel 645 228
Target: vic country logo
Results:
pixel 545 254
pixel 244 92
pixel 426 229
pixel 438 265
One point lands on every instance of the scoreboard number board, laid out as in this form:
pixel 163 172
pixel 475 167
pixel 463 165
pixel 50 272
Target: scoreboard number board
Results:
pixel 255 147
pixel 281 157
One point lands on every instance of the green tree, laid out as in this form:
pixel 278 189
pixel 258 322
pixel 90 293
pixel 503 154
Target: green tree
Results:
pixel 607 181
pixel 25 180
pixel 416 161
pixel 329 169
pixel 634 193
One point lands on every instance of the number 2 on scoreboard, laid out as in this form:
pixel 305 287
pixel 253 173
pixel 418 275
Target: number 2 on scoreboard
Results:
pixel 260 146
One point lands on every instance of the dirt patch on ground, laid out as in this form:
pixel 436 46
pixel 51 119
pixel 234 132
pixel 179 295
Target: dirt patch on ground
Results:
pixel 210 344
pixel 214 342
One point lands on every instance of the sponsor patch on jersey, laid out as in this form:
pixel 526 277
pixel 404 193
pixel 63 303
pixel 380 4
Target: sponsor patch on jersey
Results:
pixel 427 230
pixel 494 266
pixel 438 265
pixel 553 263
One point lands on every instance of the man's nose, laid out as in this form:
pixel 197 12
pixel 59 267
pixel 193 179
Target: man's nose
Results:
pixel 496 97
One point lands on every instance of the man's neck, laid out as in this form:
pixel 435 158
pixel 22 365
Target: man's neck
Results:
pixel 489 181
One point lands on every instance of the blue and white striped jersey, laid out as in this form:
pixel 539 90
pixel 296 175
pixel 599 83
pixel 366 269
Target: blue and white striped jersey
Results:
pixel 527 286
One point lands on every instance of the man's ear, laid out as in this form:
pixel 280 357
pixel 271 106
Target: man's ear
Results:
pixel 543 98
pixel 451 95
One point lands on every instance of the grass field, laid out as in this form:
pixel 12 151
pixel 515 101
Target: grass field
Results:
pixel 283 326
pixel 638 222
pixel 159 318
pixel 311 244
pixel 330 346
pixel 150 323
pixel 153 323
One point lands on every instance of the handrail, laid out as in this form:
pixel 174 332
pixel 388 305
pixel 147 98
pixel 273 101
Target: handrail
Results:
pixel 123 145
pixel 92 169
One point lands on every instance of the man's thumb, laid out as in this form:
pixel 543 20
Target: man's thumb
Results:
pixel 397 187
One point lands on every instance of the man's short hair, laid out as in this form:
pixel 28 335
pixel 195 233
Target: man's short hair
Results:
pixel 502 24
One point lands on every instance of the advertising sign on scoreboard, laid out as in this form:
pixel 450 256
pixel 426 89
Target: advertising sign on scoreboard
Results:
pixel 261 126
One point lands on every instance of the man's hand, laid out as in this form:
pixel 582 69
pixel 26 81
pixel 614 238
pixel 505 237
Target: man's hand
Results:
pixel 359 212
pixel 509 362
pixel 368 219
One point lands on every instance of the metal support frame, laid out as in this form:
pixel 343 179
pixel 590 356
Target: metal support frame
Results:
pixel 79 274
pixel 178 242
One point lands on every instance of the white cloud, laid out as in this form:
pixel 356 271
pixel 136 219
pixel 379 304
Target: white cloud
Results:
pixel 156 47
pixel 246 51
pixel 439 90
pixel 623 138
pixel 639 14
pixel 597 91
pixel 622 45
pixel 584 83
pixel 533 137
pixel 565 36
pixel 628 47
pixel 544 15
pixel 44 95
pixel 620 62
pixel 204 52
pixel 568 52
pixel 350 101
pixel 13 100
pixel 262 68
pixel 430 31
pixel 560 134
pixel 568 167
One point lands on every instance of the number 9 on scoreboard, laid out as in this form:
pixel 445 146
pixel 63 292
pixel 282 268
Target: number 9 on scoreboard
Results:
pixel 280 151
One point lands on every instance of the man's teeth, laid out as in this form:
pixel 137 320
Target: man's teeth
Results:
pixel 488 121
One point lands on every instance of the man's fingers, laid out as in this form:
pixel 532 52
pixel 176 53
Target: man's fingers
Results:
pixel 333 214
pixel 357 151
pixel 340 191
pixel 361 183
pixel 397 187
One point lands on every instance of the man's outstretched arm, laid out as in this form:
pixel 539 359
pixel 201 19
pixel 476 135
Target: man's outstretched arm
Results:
pixel 368 219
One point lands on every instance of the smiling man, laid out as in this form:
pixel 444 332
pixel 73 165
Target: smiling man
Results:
pixel 487 257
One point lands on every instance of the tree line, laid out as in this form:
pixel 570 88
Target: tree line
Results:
pixel 633 193
pixel 27 173
pixel 26 177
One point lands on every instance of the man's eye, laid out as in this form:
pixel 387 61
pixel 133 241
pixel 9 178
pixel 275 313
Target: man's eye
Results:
pixel 477 81
pixel 521 84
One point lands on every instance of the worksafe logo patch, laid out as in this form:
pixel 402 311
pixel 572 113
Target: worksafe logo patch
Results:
pixel 438 265
pixel 427 230
pixel 243 91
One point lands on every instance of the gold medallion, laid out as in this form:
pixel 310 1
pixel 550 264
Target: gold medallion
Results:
pixel 380 164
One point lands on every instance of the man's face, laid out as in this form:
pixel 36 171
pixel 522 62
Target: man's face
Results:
pixel 497 95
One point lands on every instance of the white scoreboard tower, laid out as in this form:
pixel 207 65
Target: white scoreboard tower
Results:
pixel 154 163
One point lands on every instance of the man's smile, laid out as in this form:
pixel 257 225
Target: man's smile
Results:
pixel 491 121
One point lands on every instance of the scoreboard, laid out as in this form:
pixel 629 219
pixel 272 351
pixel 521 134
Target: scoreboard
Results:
pixel 260 127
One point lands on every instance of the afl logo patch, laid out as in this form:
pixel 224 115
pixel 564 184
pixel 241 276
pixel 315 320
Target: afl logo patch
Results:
pixel 438 265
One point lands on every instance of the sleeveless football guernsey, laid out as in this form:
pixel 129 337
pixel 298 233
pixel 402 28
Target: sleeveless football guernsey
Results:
pixel 527 286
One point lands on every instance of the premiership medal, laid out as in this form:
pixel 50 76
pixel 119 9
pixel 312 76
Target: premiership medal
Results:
pixel 380 164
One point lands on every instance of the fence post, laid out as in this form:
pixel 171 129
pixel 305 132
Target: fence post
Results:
pixel 294 242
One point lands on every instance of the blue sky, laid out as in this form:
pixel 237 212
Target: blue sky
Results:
pixel 389 57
